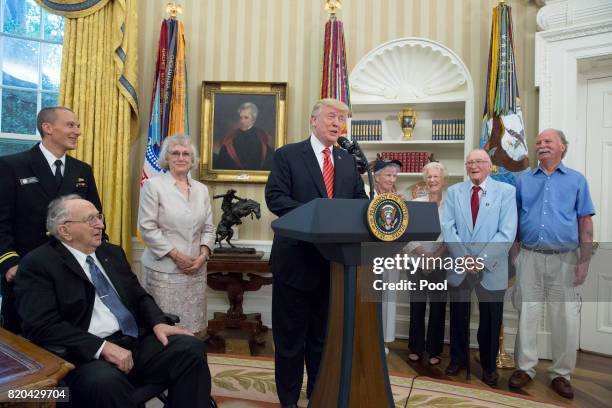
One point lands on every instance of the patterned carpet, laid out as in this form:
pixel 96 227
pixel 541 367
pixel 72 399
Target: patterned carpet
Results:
pixel 248 382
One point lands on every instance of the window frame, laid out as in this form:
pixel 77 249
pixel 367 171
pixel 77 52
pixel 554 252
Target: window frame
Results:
pixel 40 40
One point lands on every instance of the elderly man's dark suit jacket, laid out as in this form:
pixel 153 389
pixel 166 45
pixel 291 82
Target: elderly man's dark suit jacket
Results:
pixel 27 186
pixel 296 179
pixel 55 299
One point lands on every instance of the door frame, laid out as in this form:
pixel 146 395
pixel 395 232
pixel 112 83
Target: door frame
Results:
pixel 592 69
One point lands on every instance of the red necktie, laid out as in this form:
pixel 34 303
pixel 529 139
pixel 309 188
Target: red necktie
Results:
pixel 475 202
pixel 328 173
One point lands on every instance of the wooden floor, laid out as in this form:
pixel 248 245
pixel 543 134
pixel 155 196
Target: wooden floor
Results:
pixel 592 379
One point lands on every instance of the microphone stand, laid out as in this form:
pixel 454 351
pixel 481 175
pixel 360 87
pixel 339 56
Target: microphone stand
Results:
pixel 369 170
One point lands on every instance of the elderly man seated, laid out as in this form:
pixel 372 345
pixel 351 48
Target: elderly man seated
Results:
pixel 80 293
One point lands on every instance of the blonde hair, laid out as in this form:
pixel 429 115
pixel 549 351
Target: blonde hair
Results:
pixel 332 103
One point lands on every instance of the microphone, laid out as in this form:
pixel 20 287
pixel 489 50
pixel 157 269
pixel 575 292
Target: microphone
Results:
pixel 352 147
pixel 354 150
pixel 346 144
pixel 362 162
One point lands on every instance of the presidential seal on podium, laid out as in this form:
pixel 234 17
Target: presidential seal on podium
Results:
pixel 388 217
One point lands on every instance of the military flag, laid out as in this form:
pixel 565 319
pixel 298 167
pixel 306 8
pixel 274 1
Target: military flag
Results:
pixel 334 81
pixel 503 132
pixel 169 114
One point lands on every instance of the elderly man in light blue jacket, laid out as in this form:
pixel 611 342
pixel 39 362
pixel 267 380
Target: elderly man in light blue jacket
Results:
pixel 479 225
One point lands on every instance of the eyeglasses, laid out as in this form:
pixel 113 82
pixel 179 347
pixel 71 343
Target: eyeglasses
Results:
pixel 92 220
pixel 478 162
pixel 175 154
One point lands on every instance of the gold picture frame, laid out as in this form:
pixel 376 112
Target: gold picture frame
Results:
pixel 242 124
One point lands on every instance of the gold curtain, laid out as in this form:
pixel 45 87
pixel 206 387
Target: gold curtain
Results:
pixel 98 81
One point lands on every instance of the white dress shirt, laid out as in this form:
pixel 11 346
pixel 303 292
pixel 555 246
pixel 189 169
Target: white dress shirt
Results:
pixel 103 322
pixel 483 188
pixel 51 159
pixel 318 147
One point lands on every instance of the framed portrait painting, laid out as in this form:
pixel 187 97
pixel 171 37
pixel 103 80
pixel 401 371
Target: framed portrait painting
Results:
pixel 242 124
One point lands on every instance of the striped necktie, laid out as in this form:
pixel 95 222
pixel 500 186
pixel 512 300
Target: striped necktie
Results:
pixel 328 173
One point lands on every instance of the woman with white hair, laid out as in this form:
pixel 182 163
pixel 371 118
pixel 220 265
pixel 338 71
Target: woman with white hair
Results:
pixel 175 222
pixel 434 175
pixel 385 176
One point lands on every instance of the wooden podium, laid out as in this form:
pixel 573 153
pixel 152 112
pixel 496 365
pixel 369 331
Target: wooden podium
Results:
pixel 353 370
pixel 24 365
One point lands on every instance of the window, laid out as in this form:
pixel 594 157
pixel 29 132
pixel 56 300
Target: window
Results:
pixel 30 63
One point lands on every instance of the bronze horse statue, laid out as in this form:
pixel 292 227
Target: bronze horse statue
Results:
pixel 239 209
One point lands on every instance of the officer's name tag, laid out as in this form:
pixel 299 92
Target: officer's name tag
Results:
pixel 28 180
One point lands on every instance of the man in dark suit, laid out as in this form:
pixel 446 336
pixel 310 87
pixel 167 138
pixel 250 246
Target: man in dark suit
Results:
pixel 301 172
pixel 80 293
pixel 29 181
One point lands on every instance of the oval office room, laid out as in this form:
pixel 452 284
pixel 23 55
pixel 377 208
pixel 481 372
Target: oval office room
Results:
pixel 186 216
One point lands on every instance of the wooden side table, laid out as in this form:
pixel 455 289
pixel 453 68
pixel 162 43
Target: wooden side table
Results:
pixel 24 365
pixel 228 275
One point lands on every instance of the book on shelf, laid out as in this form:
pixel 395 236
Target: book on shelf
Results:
pixel 448 129
pixel 366 130
pixel 412 162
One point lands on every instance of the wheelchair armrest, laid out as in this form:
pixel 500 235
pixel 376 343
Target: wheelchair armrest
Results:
pixel 172 319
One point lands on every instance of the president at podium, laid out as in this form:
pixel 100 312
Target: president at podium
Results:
pixel 301 172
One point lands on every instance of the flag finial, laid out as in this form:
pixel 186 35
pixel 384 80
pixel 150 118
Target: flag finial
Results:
pixel 331 6
pixel 174 9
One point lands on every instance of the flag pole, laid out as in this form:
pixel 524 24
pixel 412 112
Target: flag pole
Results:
pixel 504 359
pixel 502 120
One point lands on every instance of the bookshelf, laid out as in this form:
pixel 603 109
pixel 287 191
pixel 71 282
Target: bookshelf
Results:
pixel 426 76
